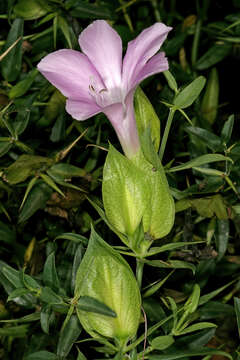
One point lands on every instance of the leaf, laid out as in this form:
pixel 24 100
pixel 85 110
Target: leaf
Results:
pixel 48 296
pixel 146 117
pixel 36 200
pixel 162 342
pixel 196 327
pixel 25 166
pixel 65 171
pixel 31 10
pixel 5 147
pixel 210 206
pixel 79 239
pixel 190 93
pixel 41 355
pixel 64 26
pixel 213 55
pixel 22 86
pixel 222 238
pixel 209 106
pixel 12 62
pixel 14 331
pixel 50 277
pixel 105 276
pixel 171 264
pixel 124 192
pixel 210 140
pixel 171 81
pixel 45 318
pixel 227 129
pixel 7 233
pixel 158 218
pixel 196 352
pixel 207 297
pixel 89 304
pixel 84 10
pixel 237 311
pixel 68 335
pixel 168 247
pixel 200 160
pixel 17 293
pixel 156 286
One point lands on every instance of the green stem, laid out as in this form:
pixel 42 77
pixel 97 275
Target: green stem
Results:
pixel 166 133
pixel 156 11
pixel 196 42
pixel 139 272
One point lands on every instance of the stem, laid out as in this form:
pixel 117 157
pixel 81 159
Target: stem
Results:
pixel 196 42
pixel 139 272
pixel 166 133
pixel 156 11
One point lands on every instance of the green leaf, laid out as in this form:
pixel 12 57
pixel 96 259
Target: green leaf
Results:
pixel 196 327
pixel 25 166
pixel 84 10
pixel 32 9
pixel 22 86
pixel 7 233
pixel 227 129
pixel 213 55
pixel 207 297
pixel 14 331
pixel 45 318
pixel 17 293
pixel 192 303
pixel 105 276
pixel 237 311
pixel 11 63
pixel 41 355
pixel 50 277
pixel 64 26
pixel 162 342
pixel 200 160
pixel 68 335
pixel 124 192
pixel 158 218
pixel 172 246
pixel 79 239
pixel 89 304
pixel 222 238
pixel 171 264
pixel 5 146
pixel 146 117
pixel 171 81
pixel 209 106
pixel 190 93
pixel 65 171
pixel 156 286
pixel 208 138
pixel 196 352
pixel 36 200
pixel 48 296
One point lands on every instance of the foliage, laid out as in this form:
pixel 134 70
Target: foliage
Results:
pixel 51 173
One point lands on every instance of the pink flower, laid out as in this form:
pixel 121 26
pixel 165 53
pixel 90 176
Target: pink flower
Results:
pixel 98 80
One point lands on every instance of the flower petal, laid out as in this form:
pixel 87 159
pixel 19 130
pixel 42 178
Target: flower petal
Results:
pixel 122 118
pixel 71 72
pixel 82 109
pixel 155 65
pixel 103 46
pixel 140 50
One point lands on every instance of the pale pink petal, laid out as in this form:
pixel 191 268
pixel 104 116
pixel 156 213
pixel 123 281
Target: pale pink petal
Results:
pixel 158 63
pixel 81 109
pixel 71 72
pixel 103 46
pixel 140 50
pixel 122 118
